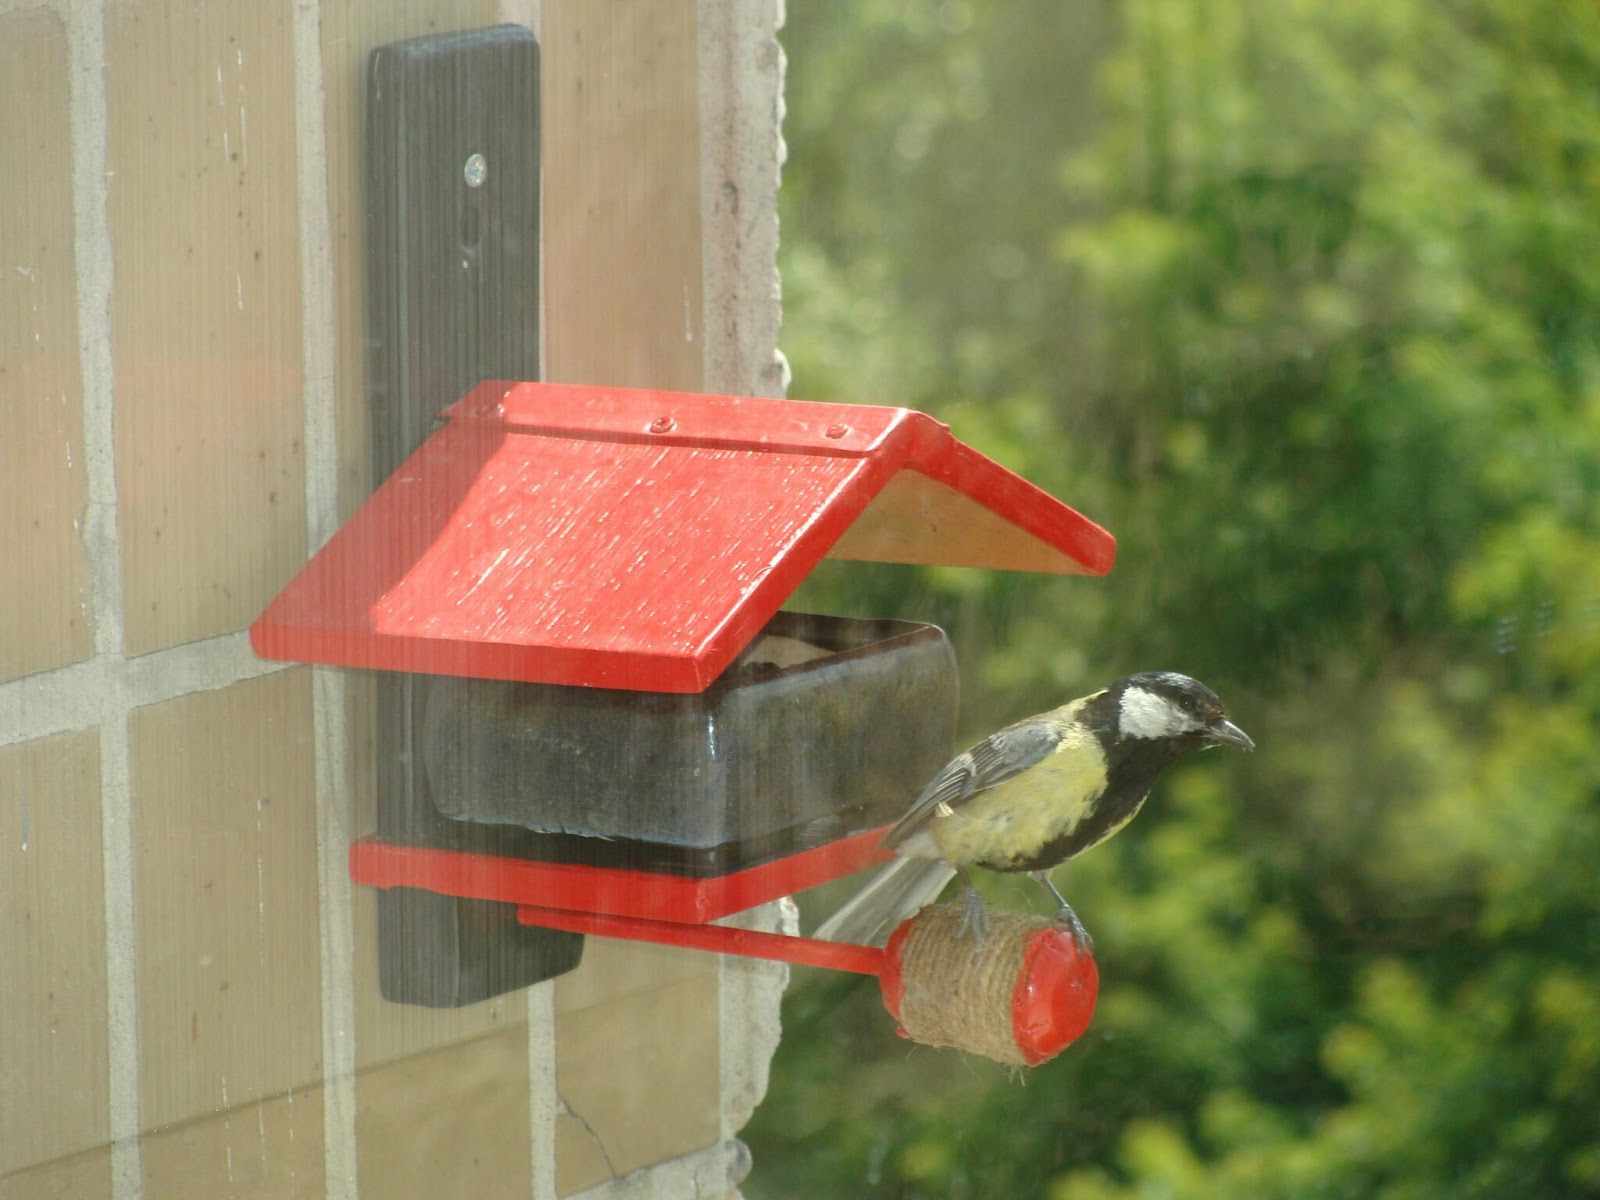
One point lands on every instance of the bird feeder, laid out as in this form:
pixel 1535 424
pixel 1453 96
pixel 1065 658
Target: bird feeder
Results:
pixel 615 718
pixel 591 713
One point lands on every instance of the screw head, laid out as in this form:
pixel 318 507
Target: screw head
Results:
pixel 663 425
pixel 835 431
pixel 475 171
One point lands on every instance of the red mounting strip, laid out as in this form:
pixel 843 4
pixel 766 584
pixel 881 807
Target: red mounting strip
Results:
pixel 721 939
pixel 683 418
pixel 605 890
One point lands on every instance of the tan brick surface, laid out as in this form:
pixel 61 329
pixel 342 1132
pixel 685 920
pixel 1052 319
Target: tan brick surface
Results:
pixel 44 605
pixel 226 898
pixel 205 313
pixel 53 1084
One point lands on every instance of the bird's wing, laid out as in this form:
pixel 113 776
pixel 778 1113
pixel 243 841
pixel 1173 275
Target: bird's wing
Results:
pixel 999 757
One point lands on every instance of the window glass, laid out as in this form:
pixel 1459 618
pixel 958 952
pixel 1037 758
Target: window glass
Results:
pixel 1301 301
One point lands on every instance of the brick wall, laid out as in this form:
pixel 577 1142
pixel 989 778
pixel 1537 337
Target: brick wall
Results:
pixel 188 997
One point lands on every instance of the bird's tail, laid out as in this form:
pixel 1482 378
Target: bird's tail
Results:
pixel 892 895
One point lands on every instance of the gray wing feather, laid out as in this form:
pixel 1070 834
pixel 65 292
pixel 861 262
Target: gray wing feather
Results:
pixel 999 757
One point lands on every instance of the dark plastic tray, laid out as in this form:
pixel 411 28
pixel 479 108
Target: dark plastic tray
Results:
pixel 823 727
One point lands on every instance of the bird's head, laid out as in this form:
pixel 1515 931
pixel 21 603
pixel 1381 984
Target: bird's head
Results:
pixel 1166 706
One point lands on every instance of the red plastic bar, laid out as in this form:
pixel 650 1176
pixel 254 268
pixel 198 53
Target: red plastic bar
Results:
pixel 721 939
pixel 609 414
pixel 607 890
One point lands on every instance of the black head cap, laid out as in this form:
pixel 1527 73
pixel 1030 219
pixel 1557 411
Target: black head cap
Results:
pixel 1168 706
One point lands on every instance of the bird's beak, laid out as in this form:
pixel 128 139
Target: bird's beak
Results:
pixel 1223 732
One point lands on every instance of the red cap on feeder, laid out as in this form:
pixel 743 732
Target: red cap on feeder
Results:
pixel 1021 995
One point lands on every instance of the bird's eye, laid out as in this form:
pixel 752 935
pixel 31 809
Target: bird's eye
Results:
pixel 1187 703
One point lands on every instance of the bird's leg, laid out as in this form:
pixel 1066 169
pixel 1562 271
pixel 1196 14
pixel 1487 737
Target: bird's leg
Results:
pixel 973 918
pixel 1065 915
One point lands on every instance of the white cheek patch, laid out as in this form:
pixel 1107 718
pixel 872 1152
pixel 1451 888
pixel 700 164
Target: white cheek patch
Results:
pixel 1147 715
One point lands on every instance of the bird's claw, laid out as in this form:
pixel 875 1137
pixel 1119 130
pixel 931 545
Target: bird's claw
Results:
pixel 1065 915
pixel 1080 935
pixel 974 919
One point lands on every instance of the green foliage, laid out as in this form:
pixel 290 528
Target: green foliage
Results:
pixel 1302 300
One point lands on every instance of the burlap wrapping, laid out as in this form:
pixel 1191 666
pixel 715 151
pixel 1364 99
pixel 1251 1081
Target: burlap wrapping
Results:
pixel 958 993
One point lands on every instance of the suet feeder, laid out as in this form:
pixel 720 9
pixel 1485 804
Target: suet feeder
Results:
pixel 592 715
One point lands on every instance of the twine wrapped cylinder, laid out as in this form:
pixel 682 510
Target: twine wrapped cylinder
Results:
pixel 1020 996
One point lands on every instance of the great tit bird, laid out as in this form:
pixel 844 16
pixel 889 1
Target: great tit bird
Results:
pixel 1035 794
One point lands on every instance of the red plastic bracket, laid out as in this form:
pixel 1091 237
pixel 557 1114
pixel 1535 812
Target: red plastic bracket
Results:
pixel 638 905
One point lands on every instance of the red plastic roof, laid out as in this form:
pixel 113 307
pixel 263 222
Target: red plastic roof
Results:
pixel 639 539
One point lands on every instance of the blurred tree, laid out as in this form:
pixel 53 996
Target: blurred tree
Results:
pixel 1303 301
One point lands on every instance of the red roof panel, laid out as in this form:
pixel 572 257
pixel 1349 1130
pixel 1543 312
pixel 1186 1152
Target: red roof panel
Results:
pixel 638 539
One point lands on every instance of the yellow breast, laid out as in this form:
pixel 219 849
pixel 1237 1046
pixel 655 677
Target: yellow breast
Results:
pixel 1021 815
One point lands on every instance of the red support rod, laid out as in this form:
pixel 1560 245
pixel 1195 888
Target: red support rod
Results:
pixel 721 939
